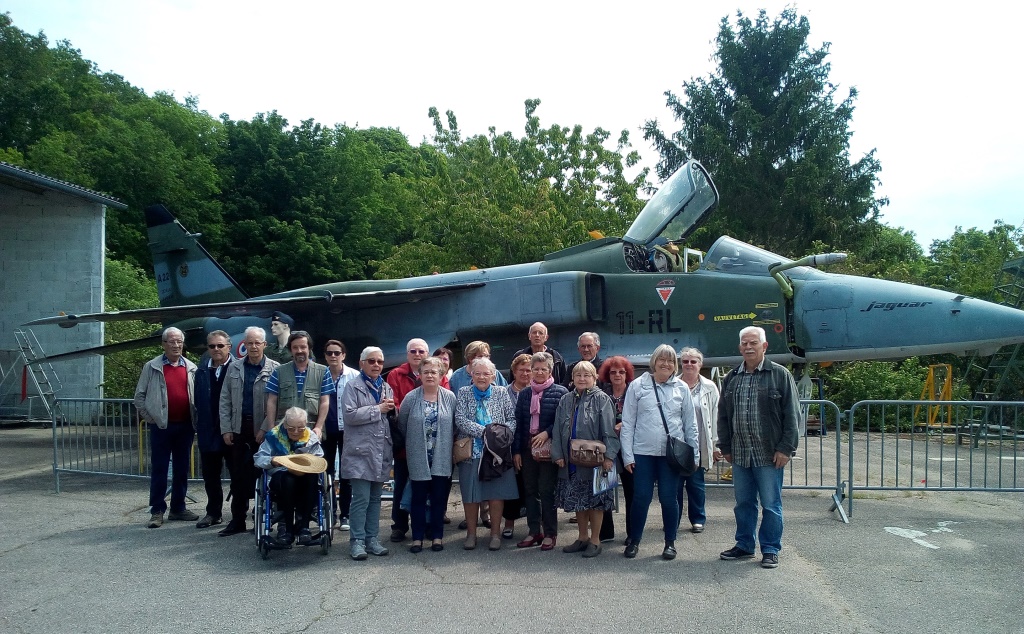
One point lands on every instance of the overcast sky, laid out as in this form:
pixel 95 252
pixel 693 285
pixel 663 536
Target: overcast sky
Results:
pixel 938 86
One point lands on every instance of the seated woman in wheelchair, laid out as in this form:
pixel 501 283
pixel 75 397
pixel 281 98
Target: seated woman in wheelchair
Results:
pixel 294 491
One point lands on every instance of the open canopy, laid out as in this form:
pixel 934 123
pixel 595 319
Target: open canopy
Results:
pixel 679 207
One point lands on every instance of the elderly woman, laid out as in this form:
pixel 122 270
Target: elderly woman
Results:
pixel 520 375
pixel 426 420
pixel 462 377
pixel 656 401
pixel 585 413
pixel 366 458
pixel 615 375
pixel 535 416
pixel 479 406
pixel 295 493
pixel 704 393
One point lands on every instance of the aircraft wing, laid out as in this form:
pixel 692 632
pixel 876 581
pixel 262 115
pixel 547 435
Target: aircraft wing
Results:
pixel 263 307
pixel 152 340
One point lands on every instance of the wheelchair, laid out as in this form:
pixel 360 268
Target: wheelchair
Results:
pixel 266 511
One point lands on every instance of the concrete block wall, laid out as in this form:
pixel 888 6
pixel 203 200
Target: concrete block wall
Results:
pixel 51 260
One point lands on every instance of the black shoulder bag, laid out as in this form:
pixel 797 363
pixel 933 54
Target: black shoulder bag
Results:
pixel 680 455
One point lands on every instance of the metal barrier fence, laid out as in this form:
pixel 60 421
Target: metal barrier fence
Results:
pixel 918 445
pixel 102 437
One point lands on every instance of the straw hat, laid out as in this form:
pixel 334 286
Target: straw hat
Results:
pixel 302 463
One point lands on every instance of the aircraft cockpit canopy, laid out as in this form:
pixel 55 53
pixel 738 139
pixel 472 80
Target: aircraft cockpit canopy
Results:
pixel 678 209
pixel 729 255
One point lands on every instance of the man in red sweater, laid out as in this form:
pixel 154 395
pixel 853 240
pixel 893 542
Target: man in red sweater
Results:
pixel 164 398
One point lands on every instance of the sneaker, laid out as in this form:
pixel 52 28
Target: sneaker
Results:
pixel 592 550
pixel 770 560
pixel 305 539
pixel 344 524
pixel 697 528
pixel 156 520
pixel 376 548
pixel 182 516
pixel 357 550
pixel 735 553
pixel 670 551
pixel 208 521
pixel 397 536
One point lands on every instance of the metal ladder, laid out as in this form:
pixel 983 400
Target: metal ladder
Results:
pixel 38 371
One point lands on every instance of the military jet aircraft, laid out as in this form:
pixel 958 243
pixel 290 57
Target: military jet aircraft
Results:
pixel 636 292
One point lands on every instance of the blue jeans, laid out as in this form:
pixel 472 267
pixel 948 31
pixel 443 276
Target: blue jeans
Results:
pixel 646 471
pixel 693 488
pixel 364 514
pixel 750 485
pixel 173 443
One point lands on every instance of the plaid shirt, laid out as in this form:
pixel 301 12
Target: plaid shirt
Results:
pixel 752 446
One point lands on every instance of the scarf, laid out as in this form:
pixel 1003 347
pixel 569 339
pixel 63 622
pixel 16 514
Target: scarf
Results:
pixel 374 385
pixel 281 444
pixel 482 417
pixel 538 390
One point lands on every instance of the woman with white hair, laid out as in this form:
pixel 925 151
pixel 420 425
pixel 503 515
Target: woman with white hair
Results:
pixel 658 404
pixel 366 458
pixel 479 406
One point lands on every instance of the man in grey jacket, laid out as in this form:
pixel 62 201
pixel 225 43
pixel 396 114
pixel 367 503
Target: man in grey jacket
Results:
pixel 164 397
pixel 242 413
pixel 758 416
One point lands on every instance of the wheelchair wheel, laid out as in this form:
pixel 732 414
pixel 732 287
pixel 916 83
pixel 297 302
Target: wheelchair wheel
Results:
pixel 325 542
pixel 264 549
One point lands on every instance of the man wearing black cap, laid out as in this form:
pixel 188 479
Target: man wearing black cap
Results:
pixel 280 329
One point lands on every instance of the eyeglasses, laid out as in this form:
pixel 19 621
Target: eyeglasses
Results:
pixel 254 344
pixel 375 361
pixel 429 373
pixel 418 351
pixel 690 361
pixel 544 369
pixel 332 353
pixel 623 372
pixel 482 375
pixel 295 430
pixel 216 346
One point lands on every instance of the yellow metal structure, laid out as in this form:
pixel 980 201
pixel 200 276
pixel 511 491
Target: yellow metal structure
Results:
pixel 934 392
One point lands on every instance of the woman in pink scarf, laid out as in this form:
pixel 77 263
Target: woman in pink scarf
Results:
pixel 535 414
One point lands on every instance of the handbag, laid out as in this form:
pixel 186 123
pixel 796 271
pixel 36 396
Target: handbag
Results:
pixel 586 453
pixel 543 452
pixel 462 449
pixel 680 455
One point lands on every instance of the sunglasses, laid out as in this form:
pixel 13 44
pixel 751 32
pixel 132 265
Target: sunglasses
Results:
pixel 375 361
pixel 295 429
pixel 690 362
pixel 418 351
pixel 616 372
pixel 217 346
pixel 332 353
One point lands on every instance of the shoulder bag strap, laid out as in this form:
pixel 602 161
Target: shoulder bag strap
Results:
pixel 660 410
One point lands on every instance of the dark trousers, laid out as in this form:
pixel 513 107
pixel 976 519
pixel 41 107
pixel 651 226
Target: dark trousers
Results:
pixel 333 444
pixel 173 443
pixel 400 518
pixel 436 490
pixel 243 476
pixel 295 496
pixel 692 487
pixel 539 480
pixel 513 509
pixel 213 463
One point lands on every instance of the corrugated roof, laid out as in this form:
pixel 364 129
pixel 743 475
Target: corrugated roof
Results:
pixel 20 174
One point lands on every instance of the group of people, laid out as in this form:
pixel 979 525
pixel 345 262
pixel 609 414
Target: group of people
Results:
pixel 555 437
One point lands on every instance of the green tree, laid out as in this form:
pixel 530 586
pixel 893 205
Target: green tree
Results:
pixel 969 261
pixel 769 127
pixel 127 287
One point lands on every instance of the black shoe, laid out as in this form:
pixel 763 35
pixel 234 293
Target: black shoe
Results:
pixel 462 525
pixel 284 537
pixel 397 536
pixel 631 551
pixel 231 529
pixel 735 553
pixel 629 540
pixel 670 551
pixel 305 539
pixel 416 548
pixel 770 560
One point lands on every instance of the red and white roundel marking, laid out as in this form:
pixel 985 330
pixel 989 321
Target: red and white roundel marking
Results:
pixel 241 350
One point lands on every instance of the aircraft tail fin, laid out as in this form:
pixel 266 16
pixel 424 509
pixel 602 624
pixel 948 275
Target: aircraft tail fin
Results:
pixel 185 272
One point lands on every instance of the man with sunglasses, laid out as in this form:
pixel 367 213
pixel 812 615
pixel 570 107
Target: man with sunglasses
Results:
pixel 302 382
pixel 404 379
pixel 212 451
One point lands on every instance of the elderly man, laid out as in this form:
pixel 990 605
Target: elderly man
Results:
pixel 589 346
pixel 301 382
pixel 213 453
pixel 404 379
pixel 295 493
pixel 538 337
pixel 242 417
pixel 164 397
pixel 281 330
pixel 758 416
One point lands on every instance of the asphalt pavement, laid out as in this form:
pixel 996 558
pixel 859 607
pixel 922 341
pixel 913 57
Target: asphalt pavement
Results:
pixel 82 561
